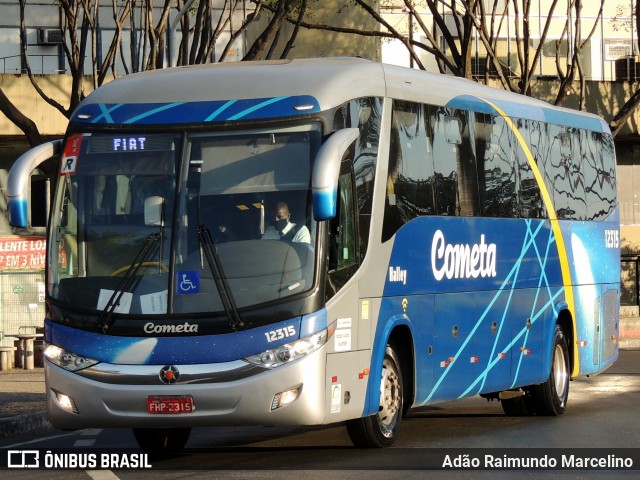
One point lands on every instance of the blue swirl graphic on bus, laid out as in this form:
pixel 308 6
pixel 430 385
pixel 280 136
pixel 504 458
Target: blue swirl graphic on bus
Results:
pixel 501 328
pixel 195 112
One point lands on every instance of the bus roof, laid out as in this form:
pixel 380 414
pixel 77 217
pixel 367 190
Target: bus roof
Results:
pixel 205 93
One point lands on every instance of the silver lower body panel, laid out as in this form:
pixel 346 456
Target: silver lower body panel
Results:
pixel 102 401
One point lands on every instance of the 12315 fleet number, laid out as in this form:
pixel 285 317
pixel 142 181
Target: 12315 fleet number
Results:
pixel 612 238
pixel 280 333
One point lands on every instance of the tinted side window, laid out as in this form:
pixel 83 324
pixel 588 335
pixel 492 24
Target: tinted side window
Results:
pixel 454 159
pixel 342 248
pixel 445 153
pixel 366 114
pixel 410 182
pixel 445 161
pixel 529 197
pixel 562 174
pixel 579 149
pixel 599 175
pixel 496 145
pixel 467 167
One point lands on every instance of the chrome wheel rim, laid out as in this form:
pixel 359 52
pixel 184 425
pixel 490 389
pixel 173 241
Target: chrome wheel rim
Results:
pixel 391 399
pixel 560 372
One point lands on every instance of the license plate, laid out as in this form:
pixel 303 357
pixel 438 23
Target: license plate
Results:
pixel 170 405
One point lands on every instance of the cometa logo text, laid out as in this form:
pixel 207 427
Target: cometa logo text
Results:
pixel 462 260
pixel 186 327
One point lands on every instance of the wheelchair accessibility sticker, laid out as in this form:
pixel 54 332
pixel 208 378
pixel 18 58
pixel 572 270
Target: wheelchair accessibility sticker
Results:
pixel 188 281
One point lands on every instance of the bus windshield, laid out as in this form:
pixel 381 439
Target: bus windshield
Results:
pixel 183 223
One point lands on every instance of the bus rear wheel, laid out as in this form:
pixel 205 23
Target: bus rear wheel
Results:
pixel 381 429
pixel 155 440
pixel 551 396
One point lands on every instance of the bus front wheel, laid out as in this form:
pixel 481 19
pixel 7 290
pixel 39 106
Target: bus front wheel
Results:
pixel 381 429
pixel 156 440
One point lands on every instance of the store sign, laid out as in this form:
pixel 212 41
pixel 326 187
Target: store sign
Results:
pixel 27 253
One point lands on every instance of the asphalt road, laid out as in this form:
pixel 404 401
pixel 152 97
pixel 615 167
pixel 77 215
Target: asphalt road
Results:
pixel 602 420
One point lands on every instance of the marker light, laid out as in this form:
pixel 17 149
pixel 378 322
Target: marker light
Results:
pixel 67 360
pixel 289 352
pixel 304 107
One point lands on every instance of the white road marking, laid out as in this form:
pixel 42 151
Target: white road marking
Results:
pixel 38 440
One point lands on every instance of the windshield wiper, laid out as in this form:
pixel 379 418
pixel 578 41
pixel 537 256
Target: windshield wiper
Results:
pixel 127 280
pixel 208 247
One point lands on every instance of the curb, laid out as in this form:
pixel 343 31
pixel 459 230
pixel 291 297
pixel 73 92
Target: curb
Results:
pixel 629 344
pixel 630 328
pixel 27 423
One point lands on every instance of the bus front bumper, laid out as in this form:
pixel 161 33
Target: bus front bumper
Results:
pixel 234 393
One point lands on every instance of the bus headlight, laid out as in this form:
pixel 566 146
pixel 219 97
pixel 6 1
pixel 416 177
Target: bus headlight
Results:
pixel 289 352
pixel 67 360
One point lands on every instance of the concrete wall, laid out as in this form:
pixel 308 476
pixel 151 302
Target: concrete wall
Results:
pixel 19 90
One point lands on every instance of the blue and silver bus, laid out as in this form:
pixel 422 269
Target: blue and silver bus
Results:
pixel 317 241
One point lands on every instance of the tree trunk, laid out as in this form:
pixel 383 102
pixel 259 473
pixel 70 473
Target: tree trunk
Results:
pixel 23 122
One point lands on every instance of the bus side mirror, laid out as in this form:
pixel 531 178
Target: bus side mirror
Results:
pixel 19 178
pixel 324 180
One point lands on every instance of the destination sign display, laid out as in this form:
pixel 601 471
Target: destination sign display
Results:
pixel 130 143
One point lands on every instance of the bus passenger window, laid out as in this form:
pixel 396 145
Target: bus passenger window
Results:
pixel 467 169
pixel 410 180
pixel 579 144
pixel 529 196
pixel 446 172
pixel 563 174
pixel 599 180
pixel 496 147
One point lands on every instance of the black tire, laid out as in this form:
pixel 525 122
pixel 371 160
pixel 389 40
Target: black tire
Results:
pixel 381 430
pixel 156 440
pixel 551 396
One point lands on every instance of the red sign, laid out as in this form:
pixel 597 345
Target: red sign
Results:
pixel 69 161
pixel 22 253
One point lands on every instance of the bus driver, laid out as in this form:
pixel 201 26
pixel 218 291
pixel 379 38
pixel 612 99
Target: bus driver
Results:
pixel 284 229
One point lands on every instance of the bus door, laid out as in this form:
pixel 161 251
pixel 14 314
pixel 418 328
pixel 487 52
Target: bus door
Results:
pixel 349 358
pixel 598 332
